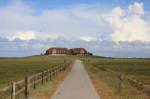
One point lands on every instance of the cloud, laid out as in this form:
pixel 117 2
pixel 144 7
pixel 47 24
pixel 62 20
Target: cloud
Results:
pixel 105 48
pixel 71 22
pixel 88 38
pixel 128 26
pixel 118 12
pixel 29 35
pixel 25 36
pixel 111 32
pixel 136 9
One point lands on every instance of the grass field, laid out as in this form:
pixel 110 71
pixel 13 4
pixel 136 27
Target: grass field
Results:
pixel 14 69
pixel 138 69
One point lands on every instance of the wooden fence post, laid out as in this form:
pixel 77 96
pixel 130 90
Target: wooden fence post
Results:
pixel 120 80
pixel 64 67
pixel 59 68
pixel 42 78
pixel 34 83
pixel 50 72
pixel 47 74
pixel 13 91
pixel 54 71
pixel 26 87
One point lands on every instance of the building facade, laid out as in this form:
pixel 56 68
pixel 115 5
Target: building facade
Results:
pixel 56 50
pixel 78 51
pixel 66 51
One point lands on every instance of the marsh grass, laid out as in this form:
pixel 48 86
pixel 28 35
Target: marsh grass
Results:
pixel 138 69
pixel 14 69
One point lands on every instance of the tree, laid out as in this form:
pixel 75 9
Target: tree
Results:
pixel 90 54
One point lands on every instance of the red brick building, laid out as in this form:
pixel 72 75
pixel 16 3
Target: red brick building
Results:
pixel 73 51
pixel 57 50
pixel 78 51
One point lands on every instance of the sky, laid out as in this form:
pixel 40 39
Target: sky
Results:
pixel 115 28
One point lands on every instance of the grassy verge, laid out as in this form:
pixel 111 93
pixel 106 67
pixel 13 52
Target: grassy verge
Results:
pixel 14 69
pixel 46 91
pixel 107 83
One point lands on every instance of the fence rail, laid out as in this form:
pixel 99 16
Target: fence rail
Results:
pixel 23 86
pixel 133 82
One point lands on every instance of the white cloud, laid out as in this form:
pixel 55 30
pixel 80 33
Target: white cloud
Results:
pixel 88 38
pixel 75 26
pixel 52 36
pixel 29 35
pixel 136 9
pixel 74 22
pixel 70 22
pixel 25 36
pixel 118 12
pixel 128 26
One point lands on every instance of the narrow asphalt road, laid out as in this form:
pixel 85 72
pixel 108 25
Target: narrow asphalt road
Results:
pixel 77 85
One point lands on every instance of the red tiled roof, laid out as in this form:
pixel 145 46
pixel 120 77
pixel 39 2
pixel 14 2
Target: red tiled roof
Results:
pixel 78 49
pixel 58 48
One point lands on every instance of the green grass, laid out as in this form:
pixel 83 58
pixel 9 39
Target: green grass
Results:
pixel 14 69
pixel 138 69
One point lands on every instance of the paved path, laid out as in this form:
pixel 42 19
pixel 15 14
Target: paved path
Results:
pixel 77 85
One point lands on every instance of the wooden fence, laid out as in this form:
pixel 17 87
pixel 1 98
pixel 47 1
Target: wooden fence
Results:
pixel 140 86
pixel 28 82
pixel 133 82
